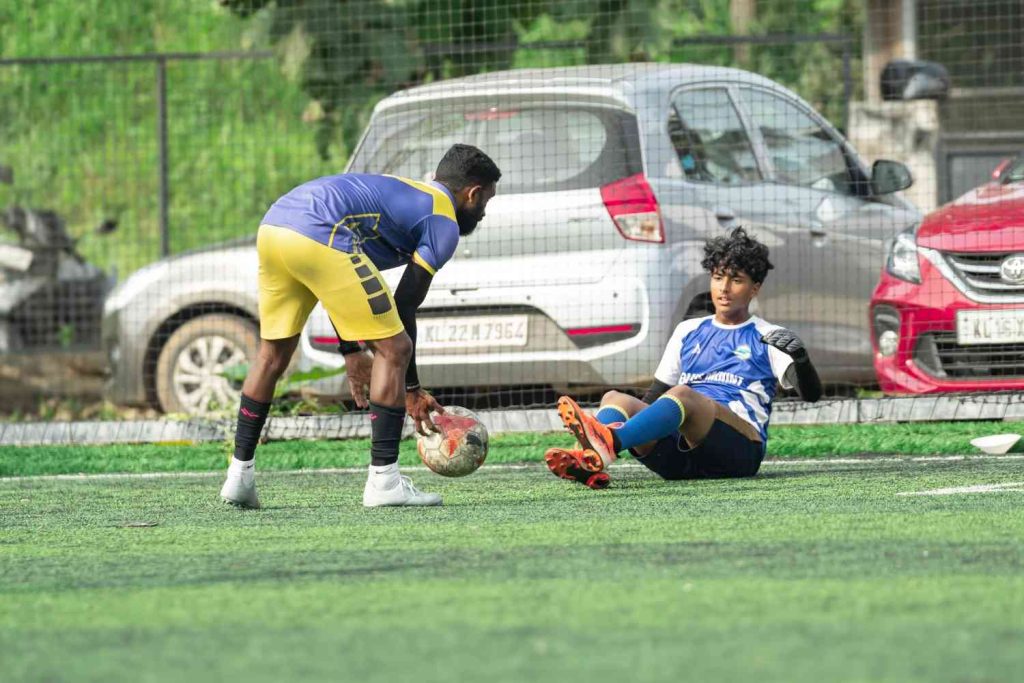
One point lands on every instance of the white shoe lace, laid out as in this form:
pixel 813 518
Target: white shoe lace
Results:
pixel 406 483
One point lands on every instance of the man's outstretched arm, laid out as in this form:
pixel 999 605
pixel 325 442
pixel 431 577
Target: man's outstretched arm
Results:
pixel 801 373
pixel 410 293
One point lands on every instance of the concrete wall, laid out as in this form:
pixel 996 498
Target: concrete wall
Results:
pixel 901 131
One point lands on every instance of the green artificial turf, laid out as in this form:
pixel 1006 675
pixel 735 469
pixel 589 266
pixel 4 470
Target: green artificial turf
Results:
pixel 812 571
pixel 928 438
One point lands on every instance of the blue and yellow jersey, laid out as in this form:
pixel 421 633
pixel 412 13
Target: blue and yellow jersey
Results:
pixel 392 220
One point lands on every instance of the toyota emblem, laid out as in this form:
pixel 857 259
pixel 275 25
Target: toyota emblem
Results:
pixel 1012 269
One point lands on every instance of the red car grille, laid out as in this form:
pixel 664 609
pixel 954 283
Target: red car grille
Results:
pixel 939 354
pixel 980 273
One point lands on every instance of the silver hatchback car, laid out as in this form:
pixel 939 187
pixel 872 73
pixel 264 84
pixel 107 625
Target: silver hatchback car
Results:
pixel 613 178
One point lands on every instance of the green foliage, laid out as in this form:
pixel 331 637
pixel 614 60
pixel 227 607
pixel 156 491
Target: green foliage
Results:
pixel 291 382
pixel 286 402
pixel 978 42
pixel 82 138
pixel 403 43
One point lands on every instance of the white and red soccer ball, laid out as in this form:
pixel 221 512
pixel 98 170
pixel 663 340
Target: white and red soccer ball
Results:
pixel 459 448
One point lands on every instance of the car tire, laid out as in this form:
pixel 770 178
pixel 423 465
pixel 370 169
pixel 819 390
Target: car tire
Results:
pixel 188 369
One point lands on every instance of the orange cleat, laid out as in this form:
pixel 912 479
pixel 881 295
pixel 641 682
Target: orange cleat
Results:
pixel 591 434
pixel 576 465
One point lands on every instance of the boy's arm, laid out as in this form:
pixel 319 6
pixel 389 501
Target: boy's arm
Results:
pixel 801 373
pixel 803 376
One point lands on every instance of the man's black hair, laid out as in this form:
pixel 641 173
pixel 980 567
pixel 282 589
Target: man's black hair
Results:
pixel 739 252
pixel 465 165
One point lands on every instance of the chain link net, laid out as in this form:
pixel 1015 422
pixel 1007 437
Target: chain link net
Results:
pixel 142 154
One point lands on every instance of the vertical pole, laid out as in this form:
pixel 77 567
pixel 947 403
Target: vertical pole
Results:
pixel 908 29
pixel 742 13
pixel 161 131
pixel 847 87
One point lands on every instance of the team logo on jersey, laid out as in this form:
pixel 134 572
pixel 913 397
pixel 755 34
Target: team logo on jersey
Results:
pixel 742 352
pixel 696 349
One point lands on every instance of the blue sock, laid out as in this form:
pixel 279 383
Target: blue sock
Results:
pixel 611 414
pixel 663 418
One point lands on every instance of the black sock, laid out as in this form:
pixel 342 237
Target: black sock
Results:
pixel 616 444
pixel 386 424
pixel 251 416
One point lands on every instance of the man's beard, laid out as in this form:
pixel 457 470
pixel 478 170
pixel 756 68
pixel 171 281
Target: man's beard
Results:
pixel 467 218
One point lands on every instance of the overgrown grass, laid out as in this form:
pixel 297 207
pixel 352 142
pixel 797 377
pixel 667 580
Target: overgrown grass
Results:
pixel 946 438
pixel 82 138
pixel 807 573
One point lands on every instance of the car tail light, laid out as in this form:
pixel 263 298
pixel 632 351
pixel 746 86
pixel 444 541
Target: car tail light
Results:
pixel 324 343
pixel 585 337
pixel 492 114
pixel 601 329
pixel 634 209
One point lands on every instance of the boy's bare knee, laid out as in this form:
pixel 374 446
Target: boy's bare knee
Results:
pixel 682 392
pixel 610 397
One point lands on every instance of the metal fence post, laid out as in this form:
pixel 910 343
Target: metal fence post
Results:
pixel 161 131
pixel 847 87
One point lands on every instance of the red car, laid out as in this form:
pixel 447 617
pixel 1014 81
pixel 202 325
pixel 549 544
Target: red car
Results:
pixel 948 311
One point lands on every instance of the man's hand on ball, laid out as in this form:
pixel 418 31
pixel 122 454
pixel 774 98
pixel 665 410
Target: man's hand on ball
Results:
pixel 419 404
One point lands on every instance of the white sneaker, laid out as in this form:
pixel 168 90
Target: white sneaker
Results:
pixel 240 486
pixel 386 486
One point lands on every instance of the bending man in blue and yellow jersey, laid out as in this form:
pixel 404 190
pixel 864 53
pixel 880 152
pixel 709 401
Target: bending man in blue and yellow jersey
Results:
pixel 327 240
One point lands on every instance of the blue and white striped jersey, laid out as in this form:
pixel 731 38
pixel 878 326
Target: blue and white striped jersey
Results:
pixel 727 363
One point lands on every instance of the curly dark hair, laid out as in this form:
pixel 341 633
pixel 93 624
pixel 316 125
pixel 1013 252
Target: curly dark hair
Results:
pixel 739 252
pixel 464 165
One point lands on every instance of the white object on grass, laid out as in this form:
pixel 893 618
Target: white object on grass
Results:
pixel 996 444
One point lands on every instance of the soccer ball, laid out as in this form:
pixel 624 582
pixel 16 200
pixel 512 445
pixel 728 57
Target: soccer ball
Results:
pixel 459 448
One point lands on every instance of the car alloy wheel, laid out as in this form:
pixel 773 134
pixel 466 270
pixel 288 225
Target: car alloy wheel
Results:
pixel 193 364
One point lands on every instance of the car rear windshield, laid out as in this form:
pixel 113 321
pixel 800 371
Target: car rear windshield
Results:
pixel 539 148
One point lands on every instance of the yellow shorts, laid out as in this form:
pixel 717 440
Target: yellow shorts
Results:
pixel 296 271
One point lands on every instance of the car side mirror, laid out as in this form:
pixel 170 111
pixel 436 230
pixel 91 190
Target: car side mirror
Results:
pixel 914 79
pixel 999 170
pixel 889 176
pixel 6 175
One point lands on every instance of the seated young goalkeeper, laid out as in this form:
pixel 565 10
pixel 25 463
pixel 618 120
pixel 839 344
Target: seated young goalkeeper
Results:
pixel 706 413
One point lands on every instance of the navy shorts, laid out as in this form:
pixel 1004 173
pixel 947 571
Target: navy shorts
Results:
pixel 724 453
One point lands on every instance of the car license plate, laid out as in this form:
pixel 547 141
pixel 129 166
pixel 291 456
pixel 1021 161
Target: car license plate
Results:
pixel 484 330
pixel 989 327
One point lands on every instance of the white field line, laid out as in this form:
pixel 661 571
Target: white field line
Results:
pixel 977 488
pixel 820 462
